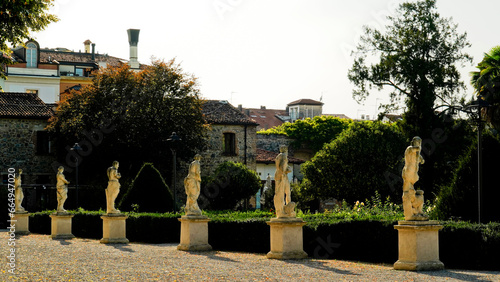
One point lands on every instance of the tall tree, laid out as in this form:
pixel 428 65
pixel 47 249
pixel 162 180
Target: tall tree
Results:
pixel 486 82
pixel 17 20
pixel 417 53
pixel 129 116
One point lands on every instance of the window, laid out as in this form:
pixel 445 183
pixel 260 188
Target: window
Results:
pixel 229 144
pixel 34 91
pixel 31 55
pixel 42 143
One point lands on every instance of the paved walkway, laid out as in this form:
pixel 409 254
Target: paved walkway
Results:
pixel 39 258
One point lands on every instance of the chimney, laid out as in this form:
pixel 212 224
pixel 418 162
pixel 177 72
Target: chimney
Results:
pixel 87 45
pixel 133 39
pixel 93 51
pixel 262 107
pixel 240 107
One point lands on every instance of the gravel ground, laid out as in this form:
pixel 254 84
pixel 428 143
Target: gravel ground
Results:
pixel 39 258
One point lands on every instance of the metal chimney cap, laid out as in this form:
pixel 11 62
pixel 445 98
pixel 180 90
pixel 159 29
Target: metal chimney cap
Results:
pixel 133 36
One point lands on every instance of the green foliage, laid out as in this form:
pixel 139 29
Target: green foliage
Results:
pixel 415 58
pixel 486 82
pixel 230 184
pixel 459 198
pixel 17 20
pixel 148 192
pixel 130 115
pixel 313 132
pixel 355 164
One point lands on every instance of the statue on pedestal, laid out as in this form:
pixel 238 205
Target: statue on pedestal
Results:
pixel 62 190
pixel 113 188
pixel 282 197
pixel 413 200
pixel 19 195
pixel 192 184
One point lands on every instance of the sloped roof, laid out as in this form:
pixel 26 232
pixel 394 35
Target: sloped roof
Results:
pixel 264 156
pixel 23 105
pixel 48 56
pixel 337 115
pixel 305 102
pixel 221 112
pixel 266 118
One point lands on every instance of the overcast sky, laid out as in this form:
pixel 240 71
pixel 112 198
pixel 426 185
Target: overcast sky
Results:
pixel 256 52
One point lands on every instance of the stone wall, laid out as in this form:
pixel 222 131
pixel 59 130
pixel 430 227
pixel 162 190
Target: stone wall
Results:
pixel 273 142
pixel 17 144
pixel 214 155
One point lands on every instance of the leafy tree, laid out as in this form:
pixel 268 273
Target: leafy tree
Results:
pixel 486 82
pixel 148 191
pixel 353 166
pixel 459 199
pixel 313 132
pixel 128 116
pixel 17 20
pixel 416 60
pixel 230 184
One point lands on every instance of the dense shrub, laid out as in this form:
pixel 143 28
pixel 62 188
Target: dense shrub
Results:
pixel 459 199
pixel 148 192
pixel 357 163
pixel 228 185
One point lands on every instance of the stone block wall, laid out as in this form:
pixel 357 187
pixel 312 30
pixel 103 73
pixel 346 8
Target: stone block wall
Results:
pixel 214 155
pixel 17 145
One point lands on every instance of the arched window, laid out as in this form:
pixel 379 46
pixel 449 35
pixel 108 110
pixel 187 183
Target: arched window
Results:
pixel 31 55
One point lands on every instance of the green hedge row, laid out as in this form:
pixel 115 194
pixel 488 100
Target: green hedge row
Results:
pixel 462 245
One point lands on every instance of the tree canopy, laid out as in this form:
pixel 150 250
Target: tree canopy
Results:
pixel 486 82
pixel 17 20
pixel 313 132
pixel 415 57
pixel 130 115
pixel 356 164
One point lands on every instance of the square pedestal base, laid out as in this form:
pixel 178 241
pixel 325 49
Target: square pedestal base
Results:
pixel 418 245
pixel 21 221
pixel 194 233
pixel 113 229
pixel 286 238
pixel 61 226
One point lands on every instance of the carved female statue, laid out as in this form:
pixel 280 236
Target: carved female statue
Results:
pixel 282 198
pixel 413 201
pixel 113 188
pixel 19 195
pixel 62 189
pixel 192 184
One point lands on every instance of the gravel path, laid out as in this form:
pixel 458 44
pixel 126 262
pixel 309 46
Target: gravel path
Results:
pixel 39 258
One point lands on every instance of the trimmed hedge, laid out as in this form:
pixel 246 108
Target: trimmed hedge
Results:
pixel 462 245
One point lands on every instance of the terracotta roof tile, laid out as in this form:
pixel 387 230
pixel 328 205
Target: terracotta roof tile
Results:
pixel 264 156
pixel 23 105
pixel 221 112
pixel 266 118
pixel 305 102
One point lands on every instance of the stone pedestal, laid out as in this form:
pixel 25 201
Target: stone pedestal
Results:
pixel 61 226
pixel 194 233
pixel 113 229
pixel 21 221
pixel 418 245
pixel 286 238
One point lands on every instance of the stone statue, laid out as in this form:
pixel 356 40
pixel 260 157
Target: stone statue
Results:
pixel 413 201
pixel 19 195
pixel 282 198
pixel 62 190
pixel 113 188
pixel 192 184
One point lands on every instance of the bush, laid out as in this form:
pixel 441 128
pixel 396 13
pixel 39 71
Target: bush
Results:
pixel 357 163
pixel 148 192
pixel 228 185
pixel 459 199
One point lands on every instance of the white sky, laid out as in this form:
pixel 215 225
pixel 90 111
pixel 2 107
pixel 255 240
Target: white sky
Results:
pixel 256 52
